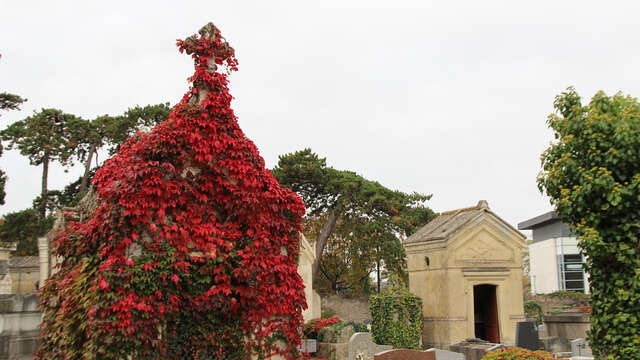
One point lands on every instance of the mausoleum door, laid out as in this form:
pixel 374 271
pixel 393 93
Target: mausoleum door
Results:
pixel 486 313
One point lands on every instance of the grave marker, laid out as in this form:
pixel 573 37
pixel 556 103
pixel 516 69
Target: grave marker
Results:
pixel 446 355
pixel 527 335
pixel 361 345
pixel 403 354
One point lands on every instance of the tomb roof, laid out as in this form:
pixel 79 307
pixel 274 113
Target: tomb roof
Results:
pixel 451 221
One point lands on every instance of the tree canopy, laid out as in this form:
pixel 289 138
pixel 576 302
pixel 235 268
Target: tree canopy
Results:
pixel 51 135
pixel 592 175
pixel 7 102
pixel 10 101
pixel 378 214
pixel 24 228
pixel 48 135
pixel 113 131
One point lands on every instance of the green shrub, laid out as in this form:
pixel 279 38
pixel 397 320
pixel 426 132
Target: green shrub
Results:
pixel 397 318
pixel 581 298
pixel 327 312
pixel 533 309
pixel 517 353
pixel 336 328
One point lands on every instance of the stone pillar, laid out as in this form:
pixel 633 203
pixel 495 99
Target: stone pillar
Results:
pixel 5 278
pixel 43 259
pixel 305 264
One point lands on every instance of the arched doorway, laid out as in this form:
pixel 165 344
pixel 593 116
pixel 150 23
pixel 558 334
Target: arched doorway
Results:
pixel 485 309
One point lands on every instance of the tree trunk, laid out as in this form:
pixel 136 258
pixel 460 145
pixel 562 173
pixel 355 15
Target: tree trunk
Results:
pixel 321 241
pixel 378 270
pixel 45 175
pixel 87 167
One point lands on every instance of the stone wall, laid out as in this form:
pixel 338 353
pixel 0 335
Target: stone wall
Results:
pixel 567 325
pixel 19 320
pixel 25 274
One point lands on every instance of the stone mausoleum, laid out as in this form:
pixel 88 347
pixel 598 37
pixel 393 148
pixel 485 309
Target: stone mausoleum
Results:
pixel 466 266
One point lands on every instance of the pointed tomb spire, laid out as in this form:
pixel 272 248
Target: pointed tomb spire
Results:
pixel 189 247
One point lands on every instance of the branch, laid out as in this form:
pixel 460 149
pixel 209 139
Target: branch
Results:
pixel 321 241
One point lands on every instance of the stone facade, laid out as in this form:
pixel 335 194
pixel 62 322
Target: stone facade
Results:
pixel 24 272
pixel 305 264
pixel 19 320
pixel 466 266
pixel 6 282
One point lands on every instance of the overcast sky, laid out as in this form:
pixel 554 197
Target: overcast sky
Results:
pixel 439 97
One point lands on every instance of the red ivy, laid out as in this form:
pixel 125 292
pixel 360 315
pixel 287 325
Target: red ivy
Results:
pixel 311 328
pixel 192 250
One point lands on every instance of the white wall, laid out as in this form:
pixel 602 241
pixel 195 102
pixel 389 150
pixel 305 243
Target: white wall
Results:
pixel 543 267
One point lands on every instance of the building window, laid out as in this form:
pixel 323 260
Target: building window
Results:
pixel 571 273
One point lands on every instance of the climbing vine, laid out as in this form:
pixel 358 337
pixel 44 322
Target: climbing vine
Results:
pixel 397 318
pixel 187 246
pixel 592 174
pixel 533 310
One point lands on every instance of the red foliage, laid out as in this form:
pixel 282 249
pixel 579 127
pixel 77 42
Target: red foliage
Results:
pixel 192 250
pixel 311 328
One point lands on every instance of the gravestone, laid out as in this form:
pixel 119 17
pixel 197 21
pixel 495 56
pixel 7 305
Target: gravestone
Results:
pixel 527 335
pixel 473 349
pixel 446 355
pixel 580 347
pixel 403 354
pixel 361 347
pixel 542 331
pixel 327 335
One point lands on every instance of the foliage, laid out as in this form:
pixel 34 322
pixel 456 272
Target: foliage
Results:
pixel 346 262
pixel 187 248
pixel 134 120
pixel 48 135
pixel 7 102
pixel 24 228
pixel 10 101
pixel 533 310
pixel 380 215
pixel 114 131
pixel 397 318
pixel 592 175
pixel 577 296
pixel 311 328
pixel 516 353
pixel 3 183
pixel 332 332
pixel 72 193
pixel 357 326
pixel 59 199
pixel 327 312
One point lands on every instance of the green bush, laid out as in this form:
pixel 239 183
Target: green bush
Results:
pixel 397 318
pixel 517 353
pixel 336 328
pixel 533 309
pixel 327 312
pixel 581 298
pixel 591 174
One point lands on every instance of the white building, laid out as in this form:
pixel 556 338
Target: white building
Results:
pixel 555 262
